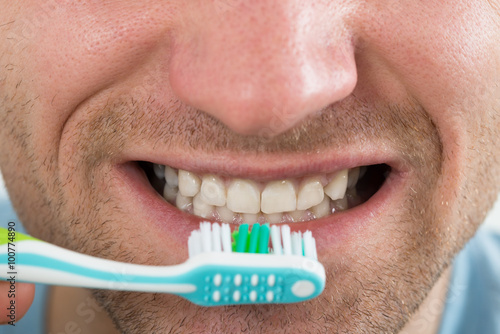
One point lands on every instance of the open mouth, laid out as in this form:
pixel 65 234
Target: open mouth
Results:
pixel 238 200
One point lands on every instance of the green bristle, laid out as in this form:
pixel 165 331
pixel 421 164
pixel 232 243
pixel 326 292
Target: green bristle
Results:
pixel 263 246
pixel 242 240
pixel 234 236
pixel 254 239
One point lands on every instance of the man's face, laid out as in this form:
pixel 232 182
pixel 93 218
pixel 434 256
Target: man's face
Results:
pixel 93 93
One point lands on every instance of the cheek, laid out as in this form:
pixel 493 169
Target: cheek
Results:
pixel 76 49
pixel 445 56
pixel 60 53
pixel 442 55
pixel 440 51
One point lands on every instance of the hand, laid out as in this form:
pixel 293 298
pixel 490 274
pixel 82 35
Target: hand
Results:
pixel 19 305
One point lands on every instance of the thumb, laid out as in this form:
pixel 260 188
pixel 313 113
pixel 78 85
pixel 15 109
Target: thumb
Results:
pixel 15 300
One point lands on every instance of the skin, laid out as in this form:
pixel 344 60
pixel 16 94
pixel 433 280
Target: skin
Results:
pixel 253 90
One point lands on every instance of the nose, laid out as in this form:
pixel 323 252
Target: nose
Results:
pixel 261 67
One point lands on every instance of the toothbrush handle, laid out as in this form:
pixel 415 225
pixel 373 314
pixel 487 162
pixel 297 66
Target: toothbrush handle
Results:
pixel 31 260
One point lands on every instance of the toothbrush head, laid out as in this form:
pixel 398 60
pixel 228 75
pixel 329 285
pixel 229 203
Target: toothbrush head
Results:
pixel 259 265
pixel 215 238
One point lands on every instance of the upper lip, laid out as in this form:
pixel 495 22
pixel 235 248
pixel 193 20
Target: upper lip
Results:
pixel 267 167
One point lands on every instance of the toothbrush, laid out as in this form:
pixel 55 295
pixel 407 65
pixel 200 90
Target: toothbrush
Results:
pixel 219 271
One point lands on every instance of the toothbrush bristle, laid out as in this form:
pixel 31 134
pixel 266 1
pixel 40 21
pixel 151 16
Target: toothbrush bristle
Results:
pixel 241 239
pixel 263 240
pixel 194 243
pixel 297 243
pixel 310 245
pixel 215 238
pixel 226 238
pixel 276 240
pixel 286 239
pixel 254 239
pixel 206 236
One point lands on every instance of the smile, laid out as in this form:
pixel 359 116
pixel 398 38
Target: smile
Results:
pixel 241 200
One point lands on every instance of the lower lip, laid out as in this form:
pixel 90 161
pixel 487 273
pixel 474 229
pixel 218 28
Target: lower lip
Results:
pixel 165 219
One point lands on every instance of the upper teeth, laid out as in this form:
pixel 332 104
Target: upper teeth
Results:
pixel 233 200
pixel 243 196
pixel 337 186
pixel 189 184
pixel 213 191
pixel 310 193
pixel 278 196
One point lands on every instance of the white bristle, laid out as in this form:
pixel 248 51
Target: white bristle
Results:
pixel 309 245
pixel 226 238
pixel 194 243
pixel 276 240
pixel 287 242
pixel 216 245
pixel 206 236
pixel 297 243
pixel 315 252
pixel 216 238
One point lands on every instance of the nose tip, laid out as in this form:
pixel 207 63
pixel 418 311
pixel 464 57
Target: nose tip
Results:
pixel 261 81
pixel 269 108
pixel 266 103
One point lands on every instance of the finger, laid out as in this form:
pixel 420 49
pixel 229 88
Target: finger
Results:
pixel 15 300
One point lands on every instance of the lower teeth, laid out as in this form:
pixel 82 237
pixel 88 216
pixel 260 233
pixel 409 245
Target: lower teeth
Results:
pixel 354 195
